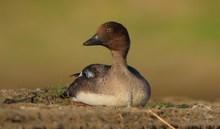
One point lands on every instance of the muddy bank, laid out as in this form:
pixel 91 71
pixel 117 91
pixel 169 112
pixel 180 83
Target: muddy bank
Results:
pixel 44 109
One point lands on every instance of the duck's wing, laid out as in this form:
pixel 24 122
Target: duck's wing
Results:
pixel 87 79
pixel 137 74
pixel 134 71
pixel 92 71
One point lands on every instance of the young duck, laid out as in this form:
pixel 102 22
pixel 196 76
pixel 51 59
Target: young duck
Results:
pixel 116 85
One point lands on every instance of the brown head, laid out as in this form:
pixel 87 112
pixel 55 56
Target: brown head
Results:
pixel 112 35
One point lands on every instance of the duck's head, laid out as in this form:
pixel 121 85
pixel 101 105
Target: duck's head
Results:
pixel 112 35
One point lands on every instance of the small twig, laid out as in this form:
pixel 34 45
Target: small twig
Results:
pixel 161 119
pixel 121 116
pixel 10 101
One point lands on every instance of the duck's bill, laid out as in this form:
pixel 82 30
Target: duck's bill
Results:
pixel 93 41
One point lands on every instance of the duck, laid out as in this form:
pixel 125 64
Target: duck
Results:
pixel 118 84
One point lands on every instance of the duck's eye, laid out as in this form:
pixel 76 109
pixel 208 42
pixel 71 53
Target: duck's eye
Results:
pixel 108 30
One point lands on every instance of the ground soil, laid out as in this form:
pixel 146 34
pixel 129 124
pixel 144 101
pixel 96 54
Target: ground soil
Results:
pixel 45 109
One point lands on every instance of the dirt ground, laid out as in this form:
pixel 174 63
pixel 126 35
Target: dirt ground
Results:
pixel 45 109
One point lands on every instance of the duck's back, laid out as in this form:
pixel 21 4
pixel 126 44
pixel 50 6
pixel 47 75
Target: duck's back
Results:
pixel 93 80
pixel 88 80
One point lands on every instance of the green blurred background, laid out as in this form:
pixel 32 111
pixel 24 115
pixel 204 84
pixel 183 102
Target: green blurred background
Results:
pixel 175 44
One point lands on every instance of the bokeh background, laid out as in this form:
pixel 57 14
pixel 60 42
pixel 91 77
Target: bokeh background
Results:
pixel 175 44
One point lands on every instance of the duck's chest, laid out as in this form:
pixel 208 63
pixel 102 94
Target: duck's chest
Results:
pixel 127 88
pixel 124 82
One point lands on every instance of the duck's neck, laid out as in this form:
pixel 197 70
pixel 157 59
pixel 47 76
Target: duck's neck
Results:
pixel 119 59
